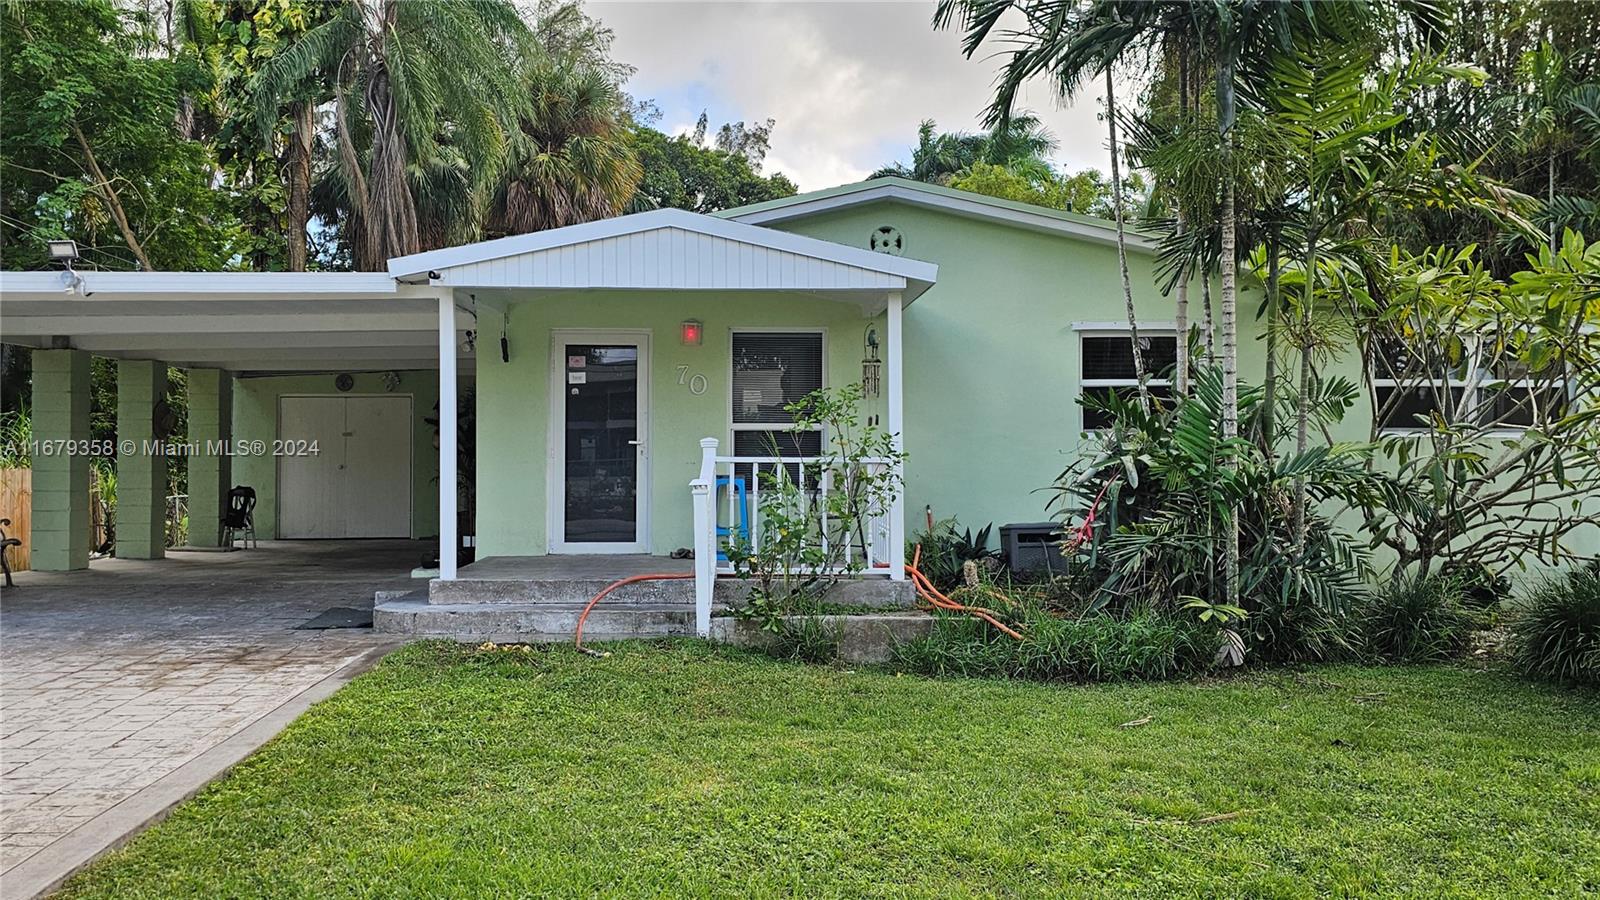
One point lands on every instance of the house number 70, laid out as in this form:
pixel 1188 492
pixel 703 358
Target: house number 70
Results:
pixel 696 382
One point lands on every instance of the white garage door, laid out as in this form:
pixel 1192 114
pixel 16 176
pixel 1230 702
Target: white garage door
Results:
pixel 358 483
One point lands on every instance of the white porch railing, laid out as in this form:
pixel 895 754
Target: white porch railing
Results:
pixel 728 512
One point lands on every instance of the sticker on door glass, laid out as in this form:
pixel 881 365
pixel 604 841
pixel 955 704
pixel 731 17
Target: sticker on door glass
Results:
pixel 577 378
pixel 577 362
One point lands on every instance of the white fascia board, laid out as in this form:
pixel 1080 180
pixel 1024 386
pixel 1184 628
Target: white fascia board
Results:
pixel 959 205
pixel 436 260
pixel 187 285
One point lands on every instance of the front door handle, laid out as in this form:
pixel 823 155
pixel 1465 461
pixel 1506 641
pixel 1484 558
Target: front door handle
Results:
pixel 635 443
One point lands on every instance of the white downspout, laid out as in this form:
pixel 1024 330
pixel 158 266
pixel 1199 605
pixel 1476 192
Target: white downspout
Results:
pixel 449 540
pixel 897 509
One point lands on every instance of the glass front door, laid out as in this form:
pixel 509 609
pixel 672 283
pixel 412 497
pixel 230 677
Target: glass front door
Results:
pixel 602 447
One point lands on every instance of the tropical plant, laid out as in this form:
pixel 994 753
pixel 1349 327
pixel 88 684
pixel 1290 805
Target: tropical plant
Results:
pixel 1556 629
pixel 1020 145
pixel 1486 409
pixel 1166 481
pixel 408 79
pixel 1417 620
pixel 569 160
pixel 946 551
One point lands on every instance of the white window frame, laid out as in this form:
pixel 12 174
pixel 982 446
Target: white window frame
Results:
pixel 1474 394
pixel 735 426
pixel 1108 329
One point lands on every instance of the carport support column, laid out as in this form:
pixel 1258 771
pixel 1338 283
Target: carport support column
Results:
pixel 210 465
pixel 60 460
pixel 141 466
pixel 897 426
pixel 449 541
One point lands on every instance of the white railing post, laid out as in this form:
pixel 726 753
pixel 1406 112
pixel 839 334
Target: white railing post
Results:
pixel 705 536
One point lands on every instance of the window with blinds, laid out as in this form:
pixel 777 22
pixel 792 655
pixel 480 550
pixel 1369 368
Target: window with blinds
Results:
pixel 1107 367
pixel 770 371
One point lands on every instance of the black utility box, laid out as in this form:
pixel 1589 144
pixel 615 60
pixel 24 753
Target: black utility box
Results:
pixel 1033 548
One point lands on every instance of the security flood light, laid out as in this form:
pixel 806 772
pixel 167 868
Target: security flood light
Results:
pixel 64 251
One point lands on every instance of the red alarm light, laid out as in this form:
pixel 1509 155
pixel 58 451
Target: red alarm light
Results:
pixel 692 331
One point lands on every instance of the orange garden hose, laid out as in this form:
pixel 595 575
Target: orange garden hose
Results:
pixel 577 639
pixel 933 597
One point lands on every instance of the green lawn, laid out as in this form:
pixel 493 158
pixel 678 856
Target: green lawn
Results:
pixel 680 769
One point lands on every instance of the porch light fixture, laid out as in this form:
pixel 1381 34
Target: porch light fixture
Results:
pixel 692 332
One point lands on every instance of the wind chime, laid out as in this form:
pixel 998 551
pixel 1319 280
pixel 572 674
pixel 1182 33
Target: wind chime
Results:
pixel 871 366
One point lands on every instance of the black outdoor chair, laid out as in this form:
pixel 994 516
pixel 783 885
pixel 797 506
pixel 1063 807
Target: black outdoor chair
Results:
pixel 241 517
pixel 6 543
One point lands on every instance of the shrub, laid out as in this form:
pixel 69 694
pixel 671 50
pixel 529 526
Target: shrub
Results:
pixel 1418 620
pixel 1556 631
pixel 1141 646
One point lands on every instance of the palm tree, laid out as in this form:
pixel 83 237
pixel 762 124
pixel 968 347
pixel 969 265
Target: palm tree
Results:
pixel 1068 40
pixel 405 74
pixel 570 160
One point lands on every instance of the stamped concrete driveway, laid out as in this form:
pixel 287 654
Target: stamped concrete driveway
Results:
pixel 124 687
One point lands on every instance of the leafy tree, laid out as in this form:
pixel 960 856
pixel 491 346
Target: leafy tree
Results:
pixel 1490 416
pixel 1020 144
pixel 91 151
pixel 267 146
pixel 416 85
pixel 678 172
pixel 1087 192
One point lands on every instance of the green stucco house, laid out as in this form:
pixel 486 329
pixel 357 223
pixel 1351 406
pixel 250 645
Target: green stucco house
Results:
pixel 622 375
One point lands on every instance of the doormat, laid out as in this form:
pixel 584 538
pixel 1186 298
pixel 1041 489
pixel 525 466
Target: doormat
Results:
pixel 339 617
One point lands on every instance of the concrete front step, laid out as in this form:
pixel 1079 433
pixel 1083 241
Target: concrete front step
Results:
pixel 876 592
pixel 531 622
pixel 539 591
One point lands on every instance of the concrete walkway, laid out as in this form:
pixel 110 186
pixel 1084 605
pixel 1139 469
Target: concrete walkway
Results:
pixel 126 687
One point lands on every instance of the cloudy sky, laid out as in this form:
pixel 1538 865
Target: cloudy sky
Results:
pixel 847 81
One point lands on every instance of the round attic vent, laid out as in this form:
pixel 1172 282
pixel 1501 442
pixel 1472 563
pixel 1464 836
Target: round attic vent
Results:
pixel 887 239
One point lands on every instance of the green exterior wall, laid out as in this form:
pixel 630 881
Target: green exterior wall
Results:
pixel 141 474
pixel 210 474
pixel 993 363
pixel 60 479
pixel 255 418
pixel 992 357
pixel 514 398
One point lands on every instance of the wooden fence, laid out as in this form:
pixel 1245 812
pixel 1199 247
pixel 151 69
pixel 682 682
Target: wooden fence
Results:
pixel 16 504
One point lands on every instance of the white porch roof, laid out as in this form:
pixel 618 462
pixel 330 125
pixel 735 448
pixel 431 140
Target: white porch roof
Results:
pixel 670 250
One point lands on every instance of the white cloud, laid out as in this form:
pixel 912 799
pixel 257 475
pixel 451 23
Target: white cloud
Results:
pixel 847 82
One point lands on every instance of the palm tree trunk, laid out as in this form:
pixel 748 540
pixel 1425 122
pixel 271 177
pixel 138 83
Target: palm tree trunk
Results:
pixel 1302 412
pixel 1269 386
pixel 1122 247
pixel 1208 326
pixel 299 169
pixel 1550 193
pixel 1230 374
pixel 391 224
pixel 1180 317
pixel 1181 314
